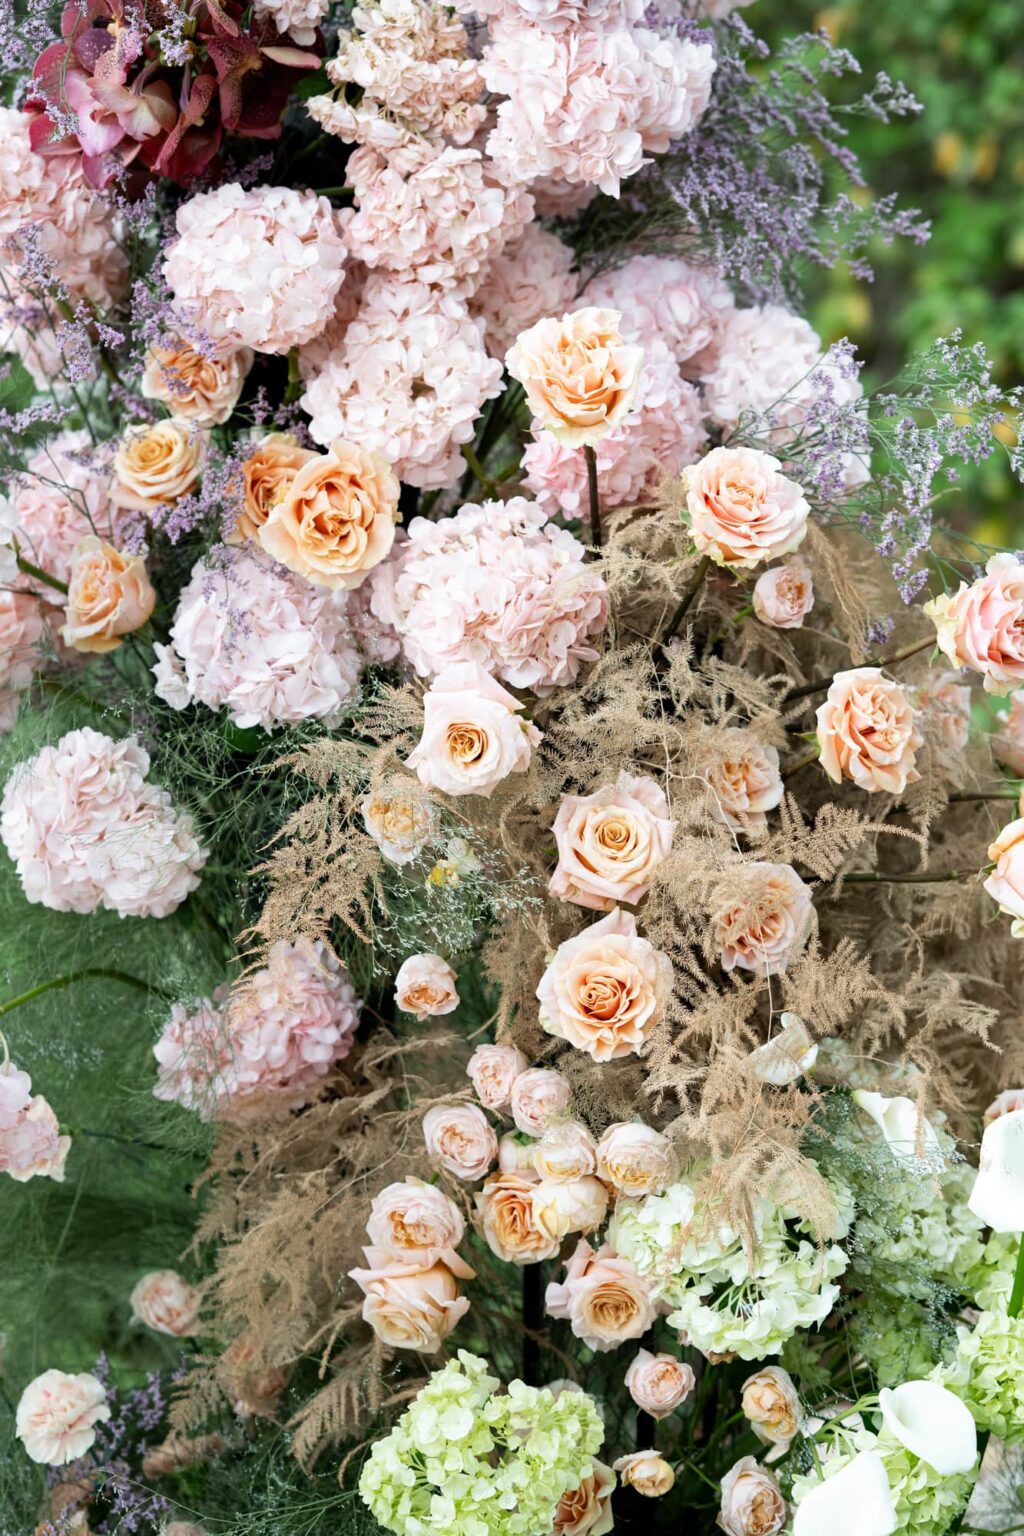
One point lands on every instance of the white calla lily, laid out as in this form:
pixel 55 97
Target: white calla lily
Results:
pixel 932 1422
pixel 907 1133
pixel 997 1198
pixel 855 1502
pixel 787 1056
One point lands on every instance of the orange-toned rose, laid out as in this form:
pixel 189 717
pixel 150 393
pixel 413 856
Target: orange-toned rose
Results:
pixel 203 389
pixel 156 464
pixel 602 1297
pixel 580 376
pixel 509 1220
pixel 767 925
pixel 587 1510
pixel 109 596
pixel 743 510
pixel 410 1305
pixel 336 520
pixel 868 732
pixel 611 843
pixel 605 989
pixel 267 475
pixel 744 780
pixel 647 1472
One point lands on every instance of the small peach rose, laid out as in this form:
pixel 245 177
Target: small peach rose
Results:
pixel 1006 882
pixel 635 1159
pixel 538 1095
pixel 400 819
pixel 1008 742
pixel 493 1070
pixel 784 596
pixel 409 1305
pixel 587 1510
pixel 767 926
pixel 57 1416
pixel 944 702
pixel 515 1155
pixel 752 1504
pixel 336 520
pixel 266 476
pixel 156 464
pixel 772 1404
pixel 611 843
pixel 744 779
pixel 981 626
pixel 580 376
pixel 203 389
pixel 605 989
pixel 183 1528
pixel 509 1223
pixel 1005 1103
pixel 576 1205
pixel 743 510
pixel 602 1297
pixel 180 1451
pixel 867 731
pixel 473 736
pixel 109 596
pixel 414 1220
pixel 647 1472
pixel 425 987
pixel 252 1385
pixel 659 1383
pixel 566 1150
pixel 461 1139
pixel 166 1303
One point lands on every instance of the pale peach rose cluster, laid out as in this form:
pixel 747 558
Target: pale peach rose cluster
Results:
pixel 1006 882
pixel 493 1071
pixel 605 990
pixel 110 595
pixel 602 1297
pixel 981 626
pixel 784 595
pixel 157 463
pixel 752 1502
pixel 473 733
pixel 659 1383
pixel 167 1303
pixel 57 1416
pixel 867 732
pixel 31 1145
pixel 611 843
pixel 772 1405
pixel 742 509
pixel 743 779
pixel 764 928
pixel 198 386
pixel 267 474
pixel 580 375
pixel 336 517
pixel 426 987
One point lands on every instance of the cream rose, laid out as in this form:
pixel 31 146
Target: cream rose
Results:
pixel 57 1416
pixel 1005 1103
pixel 1008 742
pixel 744 780
pixel 587 1510
pixel 461 1139
pixel 509 1223
pixel 766 925
pixel 109 596
pixel 566 1150
pixel 157 463
pixel 867 732
pixel 659 1383
pixel 473 736
pixel 539 1095
pixel 336 520
pixel 784 596
pixel 408 1305
pixel 742 509
pixel 576 1205
pixel 165 1302
pixel 400 818
pixel 647 1472
pixel 580 376
pixel 635 1159
pixel 603 1298
pixel 194 387
pixel 493 1069
pixel 266 477
pixel 752 1503
pixel 415 1221
pixel 611 843
pixel 772 1404
pixel 426 987
pixel 1006 882
pixel 605 990
pixel 515 1155
pixel 981 626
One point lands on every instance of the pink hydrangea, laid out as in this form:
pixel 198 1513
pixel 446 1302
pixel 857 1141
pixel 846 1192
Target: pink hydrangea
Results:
pixel 557 15
pixel 663 433
pixel 264 1048
pixel 296 19
pixel 266 645
pixel 664 298
pixel 259 267
pixel 86 830
pixel 21 630
pixel 525 282
pixel 496 586
pixel 408 381
pixel 60 498
pixel 31 1145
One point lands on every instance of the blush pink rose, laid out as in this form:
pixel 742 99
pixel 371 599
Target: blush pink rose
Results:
pixel 415 1221
pixel 425 987
pixel 561 1206
pixel 539 1095
pixel 473 736
pixel 635 1159
pixel 461 1139
pixel 410 1305
pixel 742 509
pixel 1008 742
pixel 566 1150
pixel 603 1298
pixel 57 1416
pixel 605 989
pixel 867 730
pixel 752 1503
pixel 659 1383
pixel 580 375
pixel 587 1510
pixel 109 596
pixel 981 626
pixel 611 843
pixel 165 1302
pixel 31 1146
pixel 767 926
pixel 493 1069
pixel 744 780
pixel 1006 882
pixel 784 596
pixel 508 1220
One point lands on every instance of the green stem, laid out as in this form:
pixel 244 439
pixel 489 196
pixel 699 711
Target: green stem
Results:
pixel 703 566
pixel 57 983
pixel 822 684
pixel 28 569
pixel 1017 1294
pixel 865 879
pixel 124 1141
pixel 593 496
pixel 480 474
pixel 294 388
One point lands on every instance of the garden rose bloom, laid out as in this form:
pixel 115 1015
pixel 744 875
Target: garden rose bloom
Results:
pixel 31 1145
pixel 658 1383
pixel 743 510
pixel 1005 1103
pixel 580 376
pixel 587 1510
pixel 868 732
pixel 574 1205
pixel 267 475
pixel 57 1416
pixel 1008 742
pixel 336 519
pixel 515 1155
pixel 767 926
pixel 1006 882
pixel 635 1159
pixel 109 596
pixel 602 1297
pixel 744 779
pixel 400 818
pixel 509 1222
pixel 539 1095
pixel 156 463
pixel 784 595
pixel 566 1150
pixel 981 626
pixel 425 987
pixel 611 843
pixel 605 989
pixel 461 1139
pixel 752 1504
pixel 414 1220
pixel 196 386
pixel 493 1069
pixel 165 1302
pixel 410 1305
pixel 772 1404
pixel 473 736
pixel 647 1472
pixel 944 700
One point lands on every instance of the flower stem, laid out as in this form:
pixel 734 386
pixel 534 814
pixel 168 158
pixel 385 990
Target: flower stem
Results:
pixel 480 474
pixel 592 494
pixel 822 684
pixel 1017 1294
pixel 703 566
pixel 56 983
pixel 294 388
pixel 533 1318
pixel 926 879
pixel 28 569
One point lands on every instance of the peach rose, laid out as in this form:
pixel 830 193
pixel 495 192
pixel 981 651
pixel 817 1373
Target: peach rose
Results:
pixel 566 1150
pixel 752 1504
pixel 156 464
pixel 605 989
pixel 183 1528
pixel 203 389
pixel 587 1510
pixel 772 1405
pixel 635 1159
pixel 659 1383
pixel 57 1416
pixel 410 1305
pixel 180 1451
pixel 267 475
pixel 109 596
pixel 493 1069
pixel 743 511
pixel 509 1221
pixel 473 736
pixel 944 702
pixel 765 927
pixel 981 626
pixel 515 1155
pixel 1005 1103
pixel 336 520
pixel 602 1297
pixel 647 1472
pixel 415 1221
pixel 166 1303
pixel 1006 882
pixel 611 843
pixel 744 779
pixel 1008 742
pixel 784 596
pixel 460 1138
pixel 564 1206
pixel 867 731
pixel 425 987
pixel 580 376
pixel 400 818
pixel 252 1385
pixel 539 1095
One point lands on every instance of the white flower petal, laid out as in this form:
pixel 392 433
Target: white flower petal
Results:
pixel 998 1194
pixel 933 1423
pixel 789 1055
pixel 855 1502
pixel 907 1133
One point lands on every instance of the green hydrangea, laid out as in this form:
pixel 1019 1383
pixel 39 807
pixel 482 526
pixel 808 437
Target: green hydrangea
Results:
pixel 988 1373
pixel 466 1461
pixel 922 1233
pixel 926 1503
pixel 901 1340
pixel 990 1281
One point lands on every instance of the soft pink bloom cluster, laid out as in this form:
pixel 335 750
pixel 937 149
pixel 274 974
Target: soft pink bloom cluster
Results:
pixel 21 631
pixel 262 643
pixel 664 298
pixel 31 1145
pixel 296 19
pixel 57 1416
pixel 981 626
pixel 556 15
pixel 86 830
pixel 60 498
pixel 496 586
pixel 526 281
pixel 264 1049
